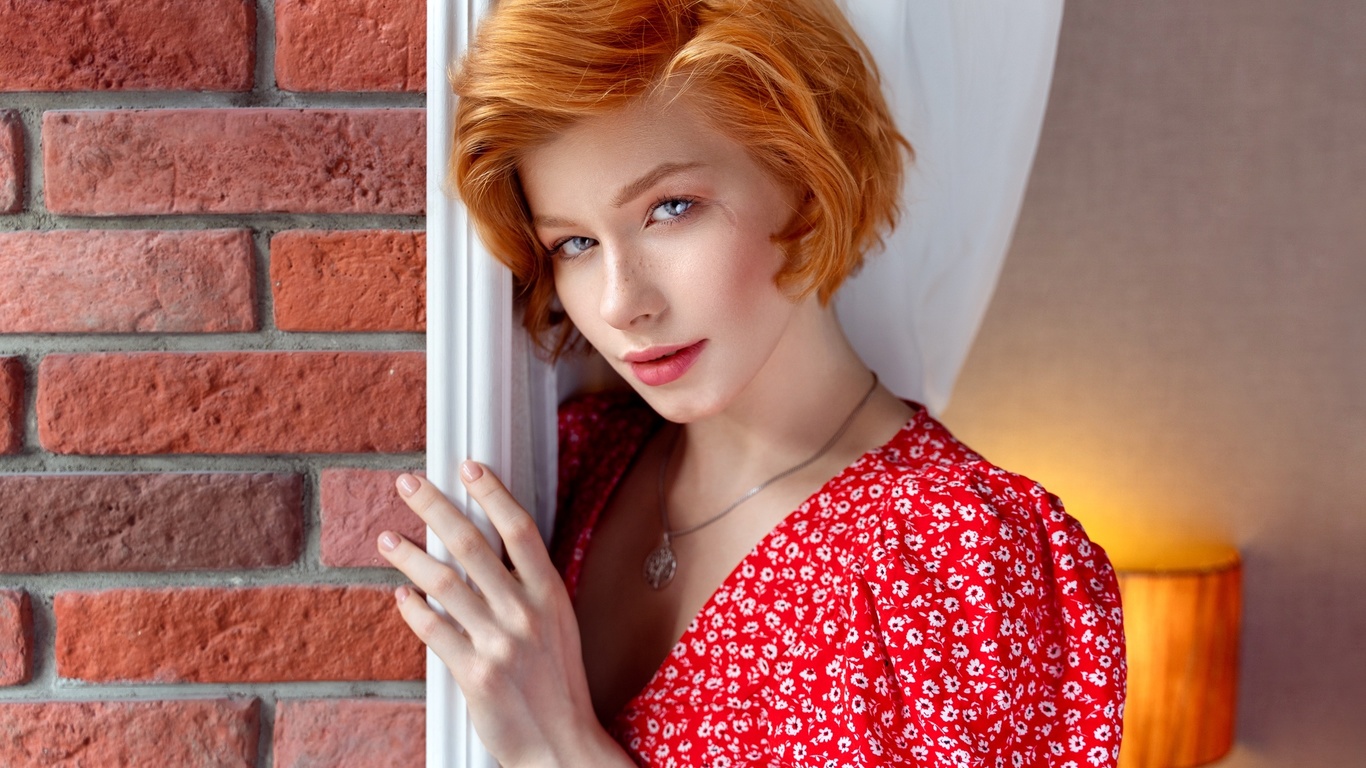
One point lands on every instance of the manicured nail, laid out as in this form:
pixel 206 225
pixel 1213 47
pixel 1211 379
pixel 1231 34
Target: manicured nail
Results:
pixel 388 541
pixel 401 594
pixel 408 485
pixel 471 470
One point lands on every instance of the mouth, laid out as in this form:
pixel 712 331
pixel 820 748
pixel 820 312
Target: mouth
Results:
pixel 653 354
pixel 657 366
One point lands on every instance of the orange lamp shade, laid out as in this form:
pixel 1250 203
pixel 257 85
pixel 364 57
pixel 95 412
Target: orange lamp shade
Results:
pixel 1182 609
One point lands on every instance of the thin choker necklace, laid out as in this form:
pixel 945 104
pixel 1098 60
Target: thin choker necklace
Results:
pixel 661 564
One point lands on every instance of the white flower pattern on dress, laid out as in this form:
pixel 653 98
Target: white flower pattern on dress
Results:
pixel 923 608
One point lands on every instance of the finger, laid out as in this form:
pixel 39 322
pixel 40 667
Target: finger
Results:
pixel 522 539
pixel 462 538
pixel 432 629
pixel 438 580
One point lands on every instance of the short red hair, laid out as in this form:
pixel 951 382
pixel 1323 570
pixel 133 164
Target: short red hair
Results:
pixel 788 79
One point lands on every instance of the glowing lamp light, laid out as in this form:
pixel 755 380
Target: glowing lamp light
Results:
pixel 1181 586
pixel 1182 612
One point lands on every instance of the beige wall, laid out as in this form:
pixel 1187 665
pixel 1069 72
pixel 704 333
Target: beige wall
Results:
pixel 1178 342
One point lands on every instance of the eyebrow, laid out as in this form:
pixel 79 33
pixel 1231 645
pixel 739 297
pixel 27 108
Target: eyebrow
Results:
pixel 627 194
pixel 637 188
pixel 552 221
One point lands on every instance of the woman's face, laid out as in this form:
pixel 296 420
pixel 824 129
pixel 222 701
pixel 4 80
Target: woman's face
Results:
pixel 660 231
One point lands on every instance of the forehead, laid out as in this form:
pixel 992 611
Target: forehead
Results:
pixel 603 152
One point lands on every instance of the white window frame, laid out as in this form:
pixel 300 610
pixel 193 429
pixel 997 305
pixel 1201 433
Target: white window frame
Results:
pixel 469 301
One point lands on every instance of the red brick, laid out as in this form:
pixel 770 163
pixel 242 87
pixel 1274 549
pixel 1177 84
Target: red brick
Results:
pixel 11 405
pixel 126 162
pixel 357 506
pixel 16 638
pixel 232 402
pixel 193 733
pixel 149 522
pixel 351 45
pixel 213 635
pixel 349 281
pixel 11 160
pixel 125 281
pixel 128 45
pixel 350 733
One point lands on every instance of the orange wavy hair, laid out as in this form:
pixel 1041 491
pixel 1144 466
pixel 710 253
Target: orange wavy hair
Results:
pixel 789 79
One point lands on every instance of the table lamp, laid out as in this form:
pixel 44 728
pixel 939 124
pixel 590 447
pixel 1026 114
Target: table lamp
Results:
pixel 1182 611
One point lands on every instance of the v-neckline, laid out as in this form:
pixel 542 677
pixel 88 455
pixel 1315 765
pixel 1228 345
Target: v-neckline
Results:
pixel 584 539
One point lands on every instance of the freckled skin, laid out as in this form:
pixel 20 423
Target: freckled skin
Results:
pixel 647 277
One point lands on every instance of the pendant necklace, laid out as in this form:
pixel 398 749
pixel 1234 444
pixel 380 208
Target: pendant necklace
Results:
pixel 661 564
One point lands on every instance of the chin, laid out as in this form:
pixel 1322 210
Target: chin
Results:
pixel 683 402
pixel 675 407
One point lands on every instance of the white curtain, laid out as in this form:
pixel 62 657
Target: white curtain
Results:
pixel 968 82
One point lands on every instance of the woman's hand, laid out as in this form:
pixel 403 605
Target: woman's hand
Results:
pixel 518 659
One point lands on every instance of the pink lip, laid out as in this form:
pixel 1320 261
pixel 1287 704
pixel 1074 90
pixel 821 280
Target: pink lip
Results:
pixel 657 366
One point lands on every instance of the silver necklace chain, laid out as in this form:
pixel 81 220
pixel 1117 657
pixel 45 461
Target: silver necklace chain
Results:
pixel 661 564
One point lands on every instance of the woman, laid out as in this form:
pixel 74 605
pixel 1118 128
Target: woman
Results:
pixel 762 555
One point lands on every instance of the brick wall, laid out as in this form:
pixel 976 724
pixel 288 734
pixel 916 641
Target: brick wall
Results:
pixel 211 371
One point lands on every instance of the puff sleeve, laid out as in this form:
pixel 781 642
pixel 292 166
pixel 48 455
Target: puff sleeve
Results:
pixel 983 628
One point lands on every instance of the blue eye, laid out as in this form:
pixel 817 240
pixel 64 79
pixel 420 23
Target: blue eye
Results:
pixel 669 210
pixel 573 247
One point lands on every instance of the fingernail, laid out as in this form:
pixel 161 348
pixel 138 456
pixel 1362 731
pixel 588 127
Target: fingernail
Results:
pixel 401 594
pixel 471 470
pixel 408 485
pixel 388 541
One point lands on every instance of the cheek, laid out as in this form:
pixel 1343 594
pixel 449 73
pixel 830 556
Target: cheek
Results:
pixel 575 291
pixel 746 274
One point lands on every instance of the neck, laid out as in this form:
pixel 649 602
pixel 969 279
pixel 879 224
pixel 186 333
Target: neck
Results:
pixel 794 405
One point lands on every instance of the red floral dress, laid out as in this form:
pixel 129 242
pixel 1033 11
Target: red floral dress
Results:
pixel 922 608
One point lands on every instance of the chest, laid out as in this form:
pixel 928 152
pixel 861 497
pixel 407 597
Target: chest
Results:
pixel 627 627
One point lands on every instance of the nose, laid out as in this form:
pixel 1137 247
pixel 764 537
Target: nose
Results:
pixel 631 294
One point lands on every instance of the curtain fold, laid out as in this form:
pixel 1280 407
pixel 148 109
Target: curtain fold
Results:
pixel 967 81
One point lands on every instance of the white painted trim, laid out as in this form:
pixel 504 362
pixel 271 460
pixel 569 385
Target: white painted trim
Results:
pixel 469 299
